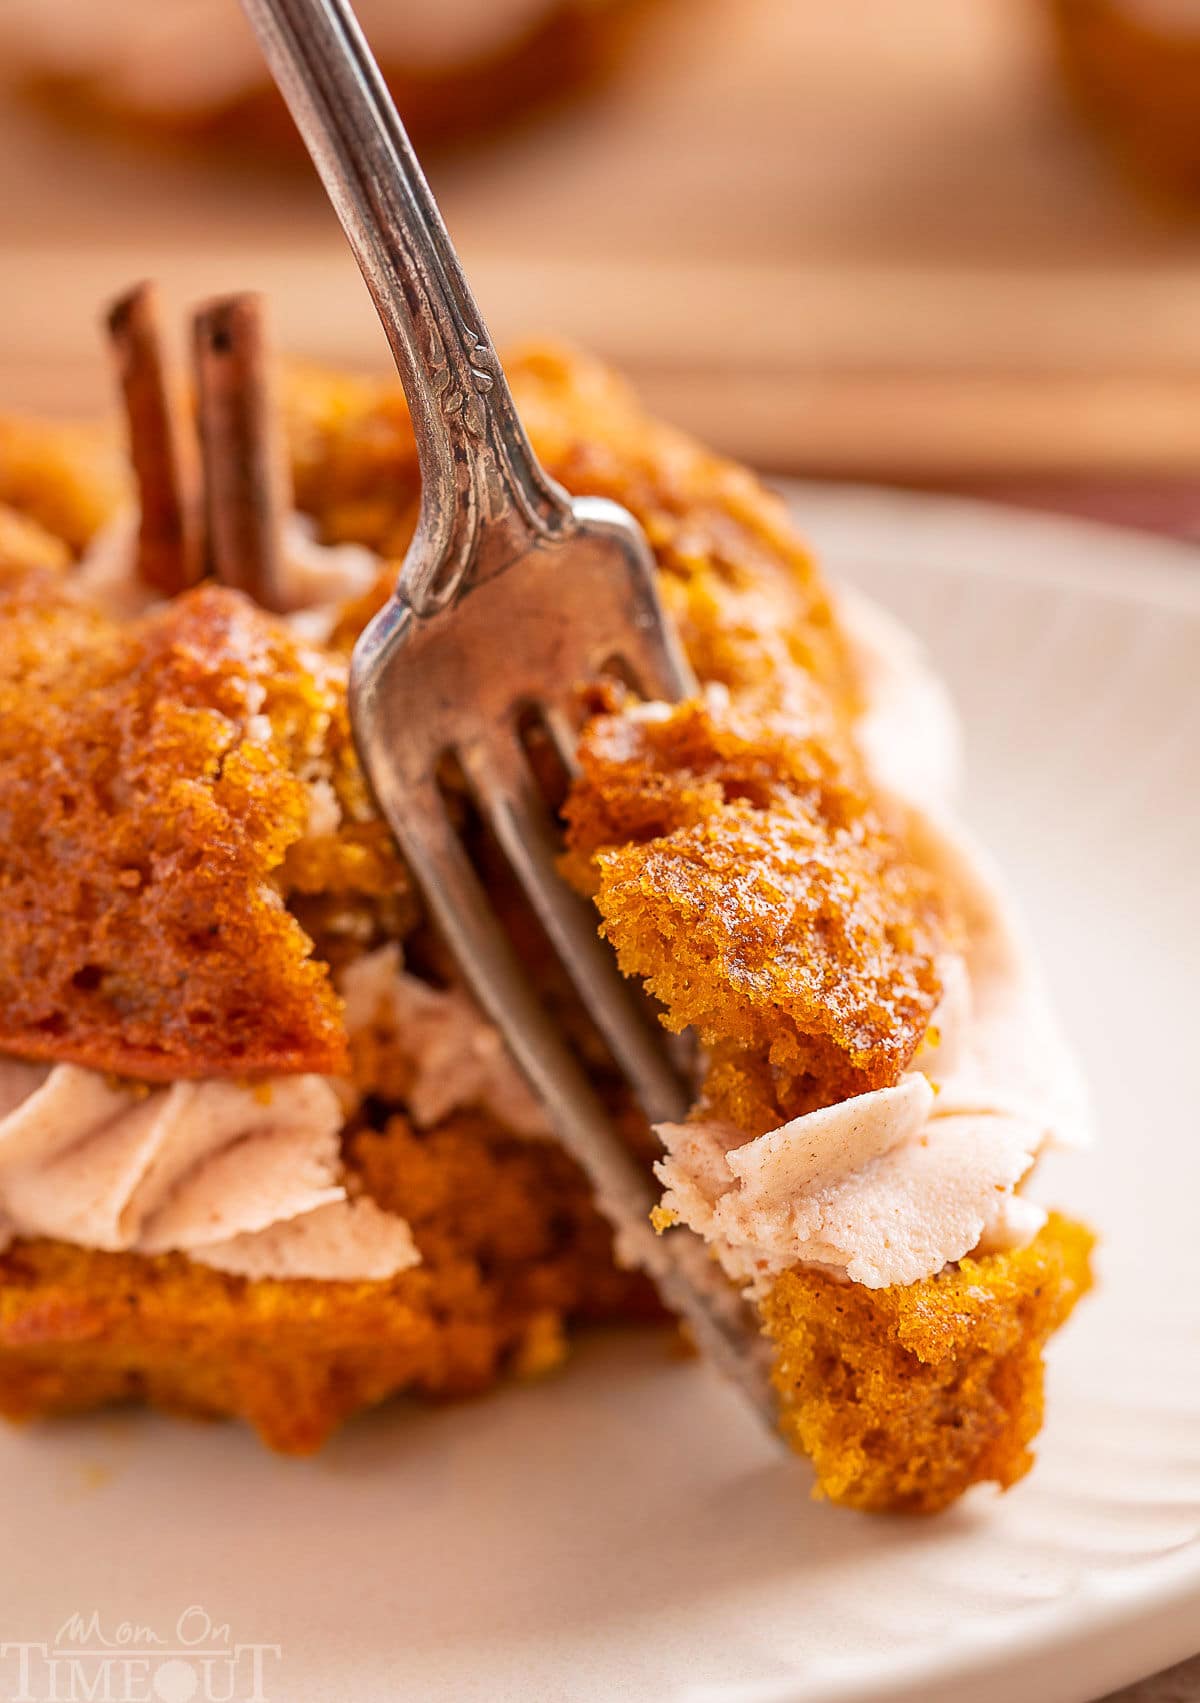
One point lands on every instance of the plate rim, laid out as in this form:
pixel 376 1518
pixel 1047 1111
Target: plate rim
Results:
pixel 1124 562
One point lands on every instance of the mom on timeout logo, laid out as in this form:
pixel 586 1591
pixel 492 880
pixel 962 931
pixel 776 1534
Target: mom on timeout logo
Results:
pixel 197 1660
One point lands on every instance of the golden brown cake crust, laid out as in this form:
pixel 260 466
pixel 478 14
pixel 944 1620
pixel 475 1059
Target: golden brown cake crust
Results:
pixel 743 872
pixel 149 790
pixel 749 604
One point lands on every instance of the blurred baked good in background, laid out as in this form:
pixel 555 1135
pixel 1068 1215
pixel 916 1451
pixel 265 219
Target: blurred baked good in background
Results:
pixel 191 69
pixel 1133 69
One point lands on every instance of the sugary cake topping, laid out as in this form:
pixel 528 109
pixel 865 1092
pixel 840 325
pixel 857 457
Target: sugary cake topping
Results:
pixel 245 1178
pixel 743 871
pixel 151 784
pixel 751 608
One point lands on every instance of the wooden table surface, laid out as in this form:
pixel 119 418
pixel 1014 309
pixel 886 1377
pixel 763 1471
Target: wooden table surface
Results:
pixel 857 239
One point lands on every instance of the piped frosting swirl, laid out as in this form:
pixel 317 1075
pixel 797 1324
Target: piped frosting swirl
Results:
pixel 245 1178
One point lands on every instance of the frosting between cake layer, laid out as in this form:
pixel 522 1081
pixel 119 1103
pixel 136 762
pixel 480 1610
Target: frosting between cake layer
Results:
pixel 457 1058
pixel 245 1178
pixel 891 1186
pixel 317 578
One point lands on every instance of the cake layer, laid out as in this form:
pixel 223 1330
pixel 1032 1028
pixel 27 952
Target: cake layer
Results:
pixel 153 777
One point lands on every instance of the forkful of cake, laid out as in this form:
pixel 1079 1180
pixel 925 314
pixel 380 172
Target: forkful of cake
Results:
pixel 512 596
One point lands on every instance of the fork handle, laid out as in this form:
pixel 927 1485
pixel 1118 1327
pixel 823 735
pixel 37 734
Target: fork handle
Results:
pixel 478 471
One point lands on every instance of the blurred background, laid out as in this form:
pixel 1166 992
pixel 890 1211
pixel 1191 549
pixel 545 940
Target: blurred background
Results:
pixel 945 242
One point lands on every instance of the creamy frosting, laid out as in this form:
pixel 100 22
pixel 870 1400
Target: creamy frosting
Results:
pixel 934 1189
pixel 908 730
pixel 316 578
pixel 458 1059
pixel 346 1240
pixel 190 55
pixel 891 1186
pixel 247 1178
pixel 885 1187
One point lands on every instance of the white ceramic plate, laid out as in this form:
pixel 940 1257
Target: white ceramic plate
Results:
pixel 622 1532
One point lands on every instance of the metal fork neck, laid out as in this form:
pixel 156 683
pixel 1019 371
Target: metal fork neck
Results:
pixel 478 471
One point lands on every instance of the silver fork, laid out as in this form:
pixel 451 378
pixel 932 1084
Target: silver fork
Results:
pixel 511 595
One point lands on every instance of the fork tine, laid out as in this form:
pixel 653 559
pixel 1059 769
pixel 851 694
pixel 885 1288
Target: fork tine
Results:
pixel 464 915
pixel 648 645
pixel 655 667
pixel 508 794
pixel 687 1279
pixel 564 737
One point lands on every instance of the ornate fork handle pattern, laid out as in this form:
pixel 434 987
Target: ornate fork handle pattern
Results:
pixel 483 494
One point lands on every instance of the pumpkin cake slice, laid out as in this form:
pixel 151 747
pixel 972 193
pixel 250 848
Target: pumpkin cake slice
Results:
pixel 260 1156
pixel 881 1076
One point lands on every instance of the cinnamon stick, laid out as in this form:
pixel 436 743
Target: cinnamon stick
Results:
pixel 162 445
pixel 247 485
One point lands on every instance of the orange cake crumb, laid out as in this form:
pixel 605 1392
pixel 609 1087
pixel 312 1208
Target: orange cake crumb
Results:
pixel 69 479
pixel 26 545
pixel 751 607
pixel 744 874
pixel 904 1397
pixel 149 789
